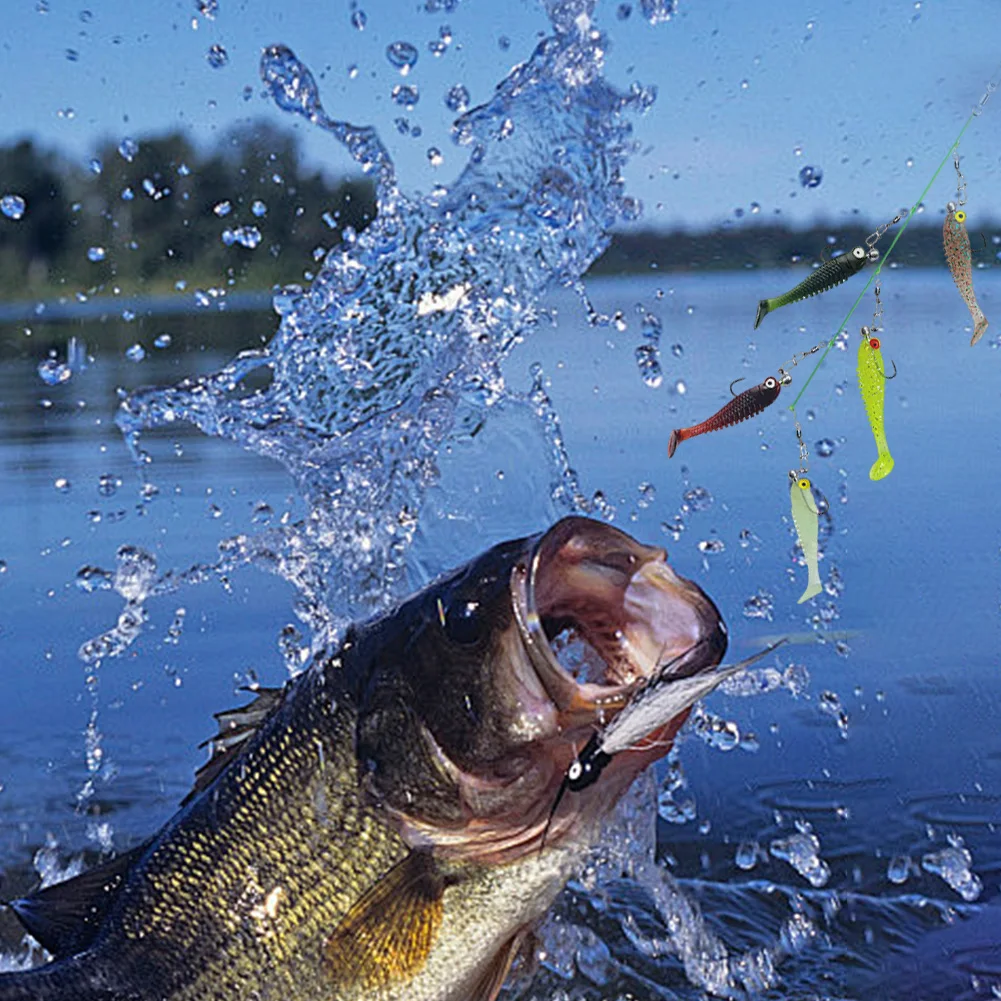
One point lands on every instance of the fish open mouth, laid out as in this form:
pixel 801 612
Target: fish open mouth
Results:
pixel 600 614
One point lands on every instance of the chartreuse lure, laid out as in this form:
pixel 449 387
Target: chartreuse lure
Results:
pixel 829 274
pixel 956 242
pixel 872 384
pixel 806 519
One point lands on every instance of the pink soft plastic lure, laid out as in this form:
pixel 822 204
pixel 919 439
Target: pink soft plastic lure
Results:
pixel 959 257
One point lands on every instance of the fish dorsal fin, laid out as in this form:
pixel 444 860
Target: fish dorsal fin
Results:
pixel 236 727
pixel 386 938
pixel 65 917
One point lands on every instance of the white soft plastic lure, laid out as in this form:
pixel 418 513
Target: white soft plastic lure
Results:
pixel 660 700
pixel 805 517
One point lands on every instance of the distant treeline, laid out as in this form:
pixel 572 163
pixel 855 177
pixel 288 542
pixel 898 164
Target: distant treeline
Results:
pixel 143 216
pixel 766 245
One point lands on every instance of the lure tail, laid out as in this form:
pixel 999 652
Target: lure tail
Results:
pixel 672 443
pixel 764 308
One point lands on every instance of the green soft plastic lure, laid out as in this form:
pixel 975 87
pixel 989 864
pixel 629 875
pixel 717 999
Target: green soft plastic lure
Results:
pixel 872 383
pixel 956 242
pixel 829 274
pixel 806 519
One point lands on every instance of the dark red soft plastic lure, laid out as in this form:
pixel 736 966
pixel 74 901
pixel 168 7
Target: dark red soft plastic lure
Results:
pixel 748 404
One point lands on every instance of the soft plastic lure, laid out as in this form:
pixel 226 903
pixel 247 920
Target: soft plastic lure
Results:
pixel 829 274
pixel 750 403
pixel 806 519
pixel 959 257
pixel 871 380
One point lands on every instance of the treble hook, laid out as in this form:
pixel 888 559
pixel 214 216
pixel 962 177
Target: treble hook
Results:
pixel 734 383
pixel 894 376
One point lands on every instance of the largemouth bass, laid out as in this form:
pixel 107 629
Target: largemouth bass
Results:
pixel 383 827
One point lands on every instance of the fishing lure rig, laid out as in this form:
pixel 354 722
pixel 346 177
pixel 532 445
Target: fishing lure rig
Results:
pixel 959 254
pixel 831 273
pixel 665 695
pixel 805 517
pixel 743 406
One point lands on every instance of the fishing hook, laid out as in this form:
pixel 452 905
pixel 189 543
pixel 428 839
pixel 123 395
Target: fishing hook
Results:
pixel 734 383
pixel 889 377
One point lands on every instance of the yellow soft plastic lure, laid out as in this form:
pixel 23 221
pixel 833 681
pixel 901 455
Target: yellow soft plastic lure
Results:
pixel 959 257
pixel 805 517
pixel 872 383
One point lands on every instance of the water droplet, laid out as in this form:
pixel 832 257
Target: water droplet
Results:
pixel 457 99
pixel 649 365
pixel 262 514
pixel 712 546
pixel 96 254
pixel 72 56
pixel 648 494
pixel 434 156
pixel 217 56
pixel 697 499
pixel 744 84
pixel 405 95
pixel 953 864
pixel 760 605
pixel 680 387
pixel 657 11
pixel 899 869
pixel 503 43
pixel 108 484
pixel 746 857
pixel 623 11
pixel 246 236
pixel 13 206
pixel 825 448
pixel 135 353
pixel 802 851
pixel 677 350
pixel 207 8
pixel 127 149
pixel 810 177
pixel 259 209
pixel 359 19
pixel 162 341
pixel 755 208
pixel 89 579
pixel 222 208
pixel 830 705
pixel 53 372
pixel 402 55
pixel 62 485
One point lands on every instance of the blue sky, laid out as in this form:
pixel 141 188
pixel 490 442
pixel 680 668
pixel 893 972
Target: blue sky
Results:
pixel 871 91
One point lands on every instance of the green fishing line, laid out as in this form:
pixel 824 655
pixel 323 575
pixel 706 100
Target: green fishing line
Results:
pixel 991 87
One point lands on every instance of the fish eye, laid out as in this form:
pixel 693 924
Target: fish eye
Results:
pixel 874 343
pixel 858 253
pixel 804 483
pixel 960 216
pixel 769 383
pixel 463 622
pixel 575 771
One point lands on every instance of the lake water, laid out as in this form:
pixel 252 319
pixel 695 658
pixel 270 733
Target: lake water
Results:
pixel 890 752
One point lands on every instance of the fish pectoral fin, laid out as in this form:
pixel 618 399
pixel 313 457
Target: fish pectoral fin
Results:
pixel 65 917
pixel 488 986
pixel 236 727
pixel 388 935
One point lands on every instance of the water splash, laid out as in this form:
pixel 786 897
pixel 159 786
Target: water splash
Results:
pixel 396 345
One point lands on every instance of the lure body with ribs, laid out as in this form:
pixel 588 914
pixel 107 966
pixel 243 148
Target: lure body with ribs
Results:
pixel 829 274
pixel 378 829
pixel 806 519
pixel 872 384
pixel 750 403
pixel 956 241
